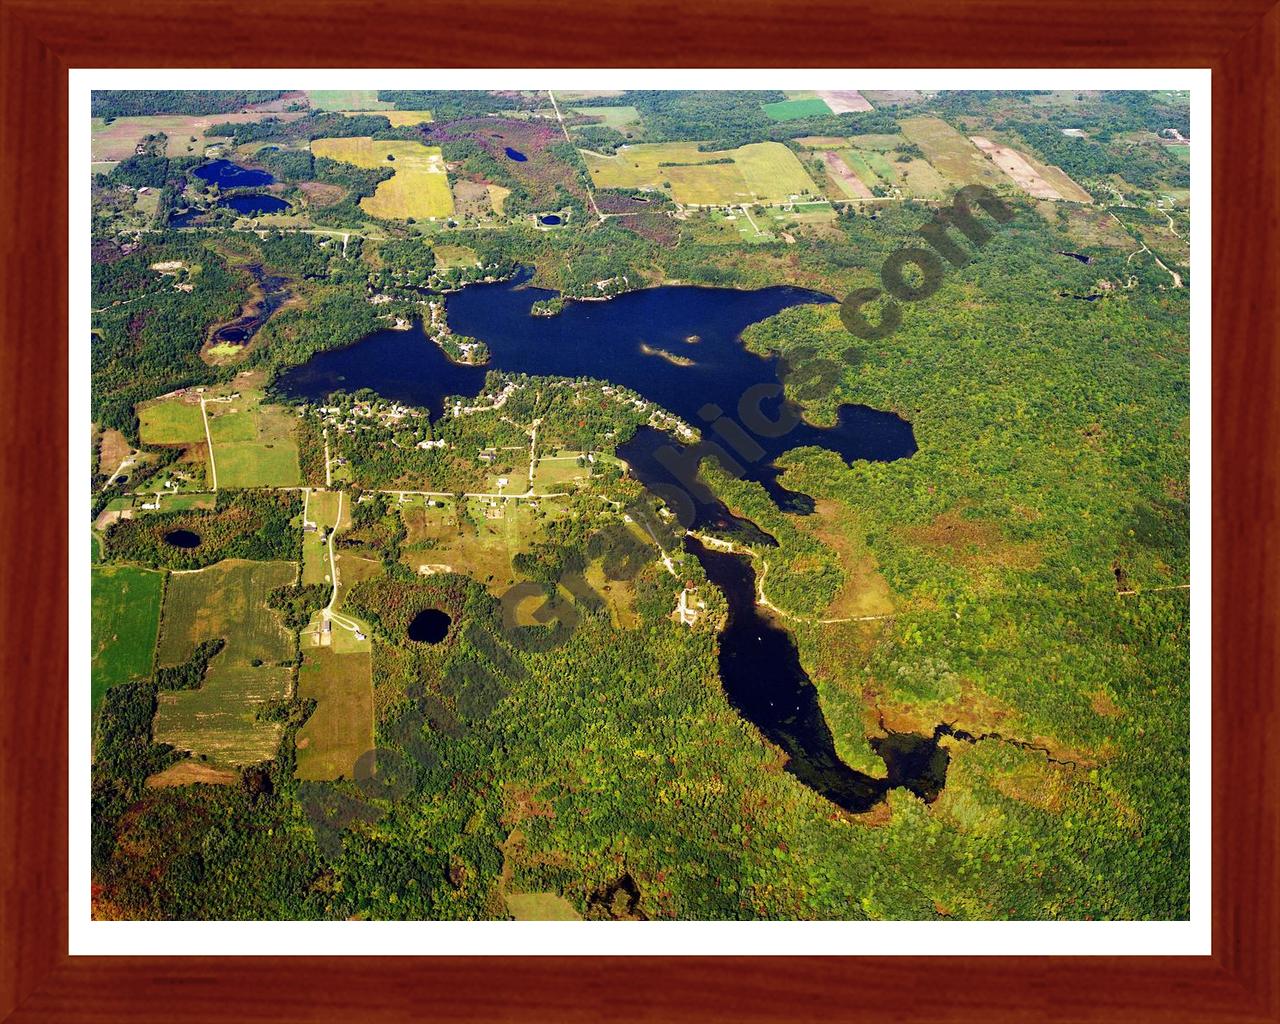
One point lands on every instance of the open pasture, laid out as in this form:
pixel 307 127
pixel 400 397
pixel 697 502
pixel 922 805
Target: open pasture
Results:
pixel 419 188
pixel 322 511
pixel 762 172
pixel 126 618
pixel 340 729
pixel 950 153
pixel 171 421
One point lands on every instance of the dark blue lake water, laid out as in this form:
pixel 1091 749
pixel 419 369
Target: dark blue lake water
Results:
pixel 225 174
pixel 675 345
pixel 516 155
pixel 252 205
pixel 550 218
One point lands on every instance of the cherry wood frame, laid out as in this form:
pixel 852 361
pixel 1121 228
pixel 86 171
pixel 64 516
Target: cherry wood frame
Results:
pixel 41 39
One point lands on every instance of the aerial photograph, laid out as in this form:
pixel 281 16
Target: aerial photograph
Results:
pixel 639 505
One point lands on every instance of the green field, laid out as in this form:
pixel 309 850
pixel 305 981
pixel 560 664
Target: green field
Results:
pixel 419 188
pixel 793 110
pixel 347 99
pixel 227 600
pixel 249 464
pixel 253 444
pixel 170 421
pixel 341 727
pixel 762 172
pixel 126 619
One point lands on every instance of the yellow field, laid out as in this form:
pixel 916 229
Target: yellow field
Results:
pixel 398 118
pixel 340 729
pixel 763 172
pixel 951 154
pixel 419 188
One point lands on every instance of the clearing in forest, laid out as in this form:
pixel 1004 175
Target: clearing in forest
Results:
pixel 619 118
pixel 762 172
pixel 419 188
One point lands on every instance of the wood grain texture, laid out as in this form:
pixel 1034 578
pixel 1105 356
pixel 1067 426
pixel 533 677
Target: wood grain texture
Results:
pixel 40 41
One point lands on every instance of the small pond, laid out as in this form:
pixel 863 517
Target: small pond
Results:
pixel 550 218
pixel 516 155
pixel 429 626
pixel 225 174
pixel 182 539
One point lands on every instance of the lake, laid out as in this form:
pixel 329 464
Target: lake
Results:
pixel 252 205
pixel 762 676
pixel 516 155
pixel 676 345
pixel 225 174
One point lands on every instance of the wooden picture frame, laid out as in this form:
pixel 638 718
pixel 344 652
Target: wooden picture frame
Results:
pixel 41 39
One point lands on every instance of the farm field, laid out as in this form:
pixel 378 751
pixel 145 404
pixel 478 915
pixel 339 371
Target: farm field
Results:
pixel 860 165
pixel 843 174
pixel 401 118
pixel 342 100
pixel 484 548
pixel 950 153
pixel 219 721
pixel 171 421
pixel 340 729
pixel 844 101
pixel 253 443
pixel 419 188
pixel 1030 175
pixel 879 143
pixel 227 600
pixel 793 110
pixel 126 620
pixel 762 172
